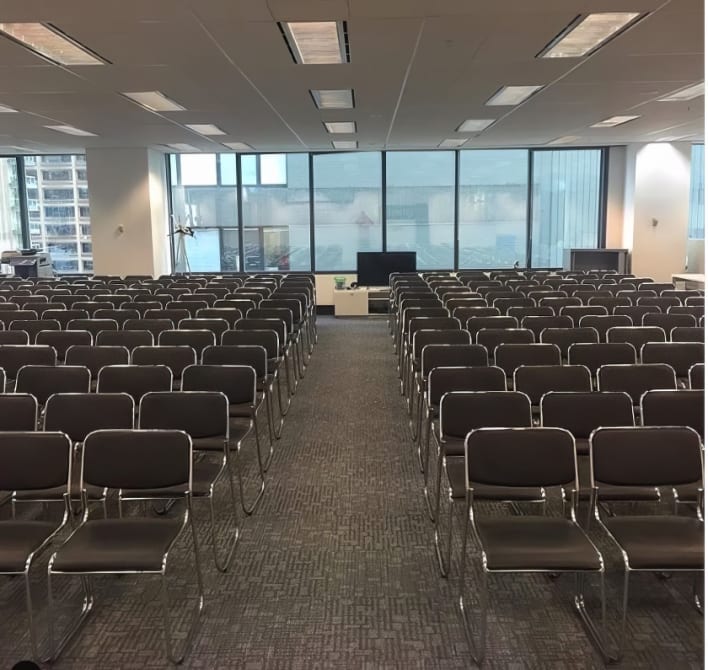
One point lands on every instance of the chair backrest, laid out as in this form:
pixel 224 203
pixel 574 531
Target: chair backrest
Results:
pixel 135 380
pixel 7 317
pixel 609 303
pixel 78 414
pixel 476 323
pixel 637 336
pixel 491 338
pixel 455 355
pixel 674 408
pixel 442 380
pixel 636 379
pixel 644 456
pixel 174 315
pixel 200 414
pixel 581 412
pixel 34 326
pixel 537 380
pixel 240 354
pixel 679 355
pixel 197 339
pixel 21 451
pixel 93 326
pixel 696 311
pixel 557 303
pixel 592 356
pixel 277 326
pixel 520 457
pixel 520 313
pixel 563 338
pixel 65 316
pixel 96 357
pixel 155 326
pixel 44 380
pixel 268 339
pixel 696 376
pixel 120 316
pixel 537 324
pixel 667 322
pixel 463 411
pixel 191 305
pixel 509 356
pixel 690 334
pixel 236 382
pixel 602 323
pixel 636 312
pixel 229 314
pixel 13 357
pixel 504 304
pixel 14 337
pixel 176 357
pixel 61 340
pixel 137 459
pixel 576 312
pixel 468 312
pixel 18 411
pixel 662 303
pixel 125 338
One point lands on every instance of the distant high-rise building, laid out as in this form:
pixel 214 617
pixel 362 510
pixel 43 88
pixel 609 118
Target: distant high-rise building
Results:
pixel 10 228
pixel 58 210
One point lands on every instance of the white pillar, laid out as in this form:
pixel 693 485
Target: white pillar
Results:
pixel 129 212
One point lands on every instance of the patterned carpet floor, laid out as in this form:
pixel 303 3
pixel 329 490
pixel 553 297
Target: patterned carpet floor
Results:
pixel 336 568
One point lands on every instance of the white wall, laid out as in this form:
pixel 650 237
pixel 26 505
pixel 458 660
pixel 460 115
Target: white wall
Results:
pixel 657 183
pixel 616 168
pixel 127 191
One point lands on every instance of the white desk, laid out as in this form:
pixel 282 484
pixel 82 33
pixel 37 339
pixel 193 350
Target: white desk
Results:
pixel 689 281
pixel 355 302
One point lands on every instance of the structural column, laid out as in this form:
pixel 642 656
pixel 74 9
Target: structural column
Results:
pixel 129 211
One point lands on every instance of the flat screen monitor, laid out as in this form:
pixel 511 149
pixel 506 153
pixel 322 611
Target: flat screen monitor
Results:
pixel 374 267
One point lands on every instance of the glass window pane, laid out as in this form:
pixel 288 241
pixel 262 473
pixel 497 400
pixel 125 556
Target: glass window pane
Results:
pixel 198 169
pixel 59 212
pixel 227 165
pixel 249 170
pixel 696 206
pixel 566 203
pixel 347 192
pixel 276 219
pixel 273 169
pixel 493 194
pixel 420 206
pixel 201 251
pixel 10 229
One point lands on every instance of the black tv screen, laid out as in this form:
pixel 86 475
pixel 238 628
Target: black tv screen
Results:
pixel 374 267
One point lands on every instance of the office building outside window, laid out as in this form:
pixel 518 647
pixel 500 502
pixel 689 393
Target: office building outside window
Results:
pixel 696 204
pixel 58 210
pixel 10 216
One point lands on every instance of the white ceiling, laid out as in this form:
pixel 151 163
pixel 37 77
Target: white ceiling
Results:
pixel 418 68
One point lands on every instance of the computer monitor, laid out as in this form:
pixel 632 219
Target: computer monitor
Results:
pixel 374 267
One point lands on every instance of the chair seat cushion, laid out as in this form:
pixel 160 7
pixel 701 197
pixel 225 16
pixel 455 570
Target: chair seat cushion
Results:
pixel 57 493
pixel 242 409
pixel 536 543
pixel 204 473
pixel 117 545
pixel 659 542
pixel 214 443
pixel 455 468
pixel 454 446
pixel 18 539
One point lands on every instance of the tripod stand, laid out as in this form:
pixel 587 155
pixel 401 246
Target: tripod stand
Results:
pixel 181 258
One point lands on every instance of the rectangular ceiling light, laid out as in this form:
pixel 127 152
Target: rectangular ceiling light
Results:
pixel 154 101
pixel 614 121
pixel 71 130
pixel 512 95
pixel 340 127
pixel 683 94
pixel 333 98
pixel 238 146
pixel 452 143
pixel 566 139
pixel 51 43
pixel 475 125
pixel 7 110
pixel 205 128
pixel 316 42
pixel 345 144
pixel 585 34
pixel 181 146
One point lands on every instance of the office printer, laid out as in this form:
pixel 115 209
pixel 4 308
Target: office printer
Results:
pixel 28 263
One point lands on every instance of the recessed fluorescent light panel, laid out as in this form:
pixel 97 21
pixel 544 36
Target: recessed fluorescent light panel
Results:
pixel 317 42
pixel 512 95
pixel 566 139
pixel 51 43
pixel 585 34
pixel 205 128
pixel 689 93
pixel 238 146
pixel 475 125
pixel 452 143
pixel 180 146
pixel 333 98
pixel 71 130
pixel 340 127
pixel 7 110
pixel 345 144
pixel 613 121
pixel 154 101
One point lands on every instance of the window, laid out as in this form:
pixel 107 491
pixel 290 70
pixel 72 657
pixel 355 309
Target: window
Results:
pixel 420 206
pixel 56 175
pixel 276 219
pixel 493 192
pixel 83 193
pixel 696 204
pixel 566 203
pixel 63 194
pixel 197 169
pixel 84 212
pixel 10 227
pixel 264 169
pixel 347 193
pixel 59 212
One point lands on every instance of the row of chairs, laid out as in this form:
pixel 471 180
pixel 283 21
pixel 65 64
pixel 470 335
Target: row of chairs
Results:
pixel 445 364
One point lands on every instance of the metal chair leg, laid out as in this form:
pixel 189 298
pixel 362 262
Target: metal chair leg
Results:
pixel 478 652
pixel 223 566
pixel 247 509
pixel 284 407
pixel 78 623
pixel 597 636
pixel 442 553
